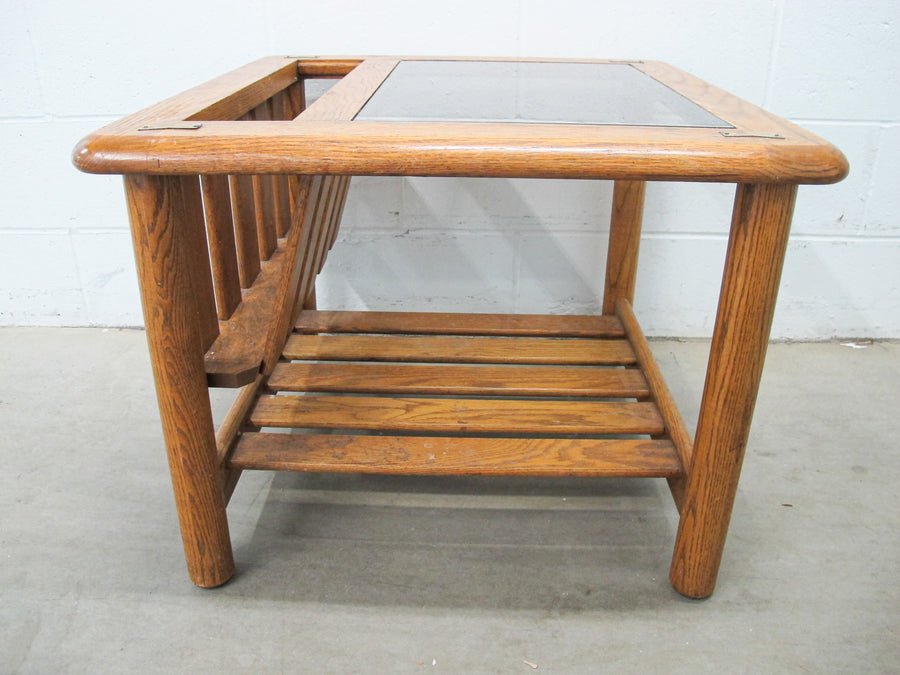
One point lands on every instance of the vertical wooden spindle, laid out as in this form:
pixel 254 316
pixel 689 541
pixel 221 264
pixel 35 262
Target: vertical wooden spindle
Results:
pixel 222 253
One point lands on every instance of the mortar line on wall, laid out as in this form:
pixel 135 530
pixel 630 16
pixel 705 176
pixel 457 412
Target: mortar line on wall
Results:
pixel 35 62
pixel 86 309
pixel 873 172
pixel 847 122
pixel 48 117
pixel 773 53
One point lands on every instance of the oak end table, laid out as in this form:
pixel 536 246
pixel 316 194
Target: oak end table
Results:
pixel 235 190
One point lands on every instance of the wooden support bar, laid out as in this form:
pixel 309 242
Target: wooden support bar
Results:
pixel 624 242
pixel 236 104
pixel 289 288
pixel 236 357
pixel 457 415
pixel 201 274
pixel 244 213
pixel 222 252
pixel 379 378
pixel 165 256
pixel 330 67
pixel 459 349
pixel 435 323
pixel 675 428
pixel 347 96
pixel 229 432
pixel 756 247
pixel 454 456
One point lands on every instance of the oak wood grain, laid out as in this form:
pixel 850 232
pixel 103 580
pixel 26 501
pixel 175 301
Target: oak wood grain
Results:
pixel 676 430
pixel 156 206
pixel 381 378
pixel 244 214
pixel 438 323
pixel 454 456
pixel 193 224
pixel 457 415
pixel 756 248
pixel 222 251
pixel 458 349
pixel 624 243
pixel 324 140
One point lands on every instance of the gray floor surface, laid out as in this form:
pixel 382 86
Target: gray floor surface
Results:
pixel 367 574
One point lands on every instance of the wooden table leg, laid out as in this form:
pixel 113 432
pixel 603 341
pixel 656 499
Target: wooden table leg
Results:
pixel 756 248
pixel 158 208
pixel 624 242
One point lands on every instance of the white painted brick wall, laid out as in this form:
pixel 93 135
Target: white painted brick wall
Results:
pixel 493 245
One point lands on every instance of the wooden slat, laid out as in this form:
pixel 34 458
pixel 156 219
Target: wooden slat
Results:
pixel 201 273
pixel 312 209
pixel 264 202
pixel 457 349
pixel 323 221
pixel 294 99
pixel 436 323
pixel 454 456
pixel 245 228
pixel 222 252
pixel 458 415
pixel 345 189
pixel 319 200
pixel 264 195
pixel 376 378
pixel 459 324
pixel 330 224
pixel 281 196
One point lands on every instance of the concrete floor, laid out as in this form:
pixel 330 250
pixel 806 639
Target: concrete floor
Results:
pixel 381 575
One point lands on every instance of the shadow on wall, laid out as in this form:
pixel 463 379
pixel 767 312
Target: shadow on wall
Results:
pixel 483 245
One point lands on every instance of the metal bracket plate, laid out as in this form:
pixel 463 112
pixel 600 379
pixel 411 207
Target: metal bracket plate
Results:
pixel 747 134
pixel 186 126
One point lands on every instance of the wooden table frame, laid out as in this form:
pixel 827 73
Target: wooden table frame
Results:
pixel 235 191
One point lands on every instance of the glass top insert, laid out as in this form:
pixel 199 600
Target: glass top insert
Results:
pixel 535 92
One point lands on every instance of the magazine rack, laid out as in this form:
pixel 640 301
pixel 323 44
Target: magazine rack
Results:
pixel 235 190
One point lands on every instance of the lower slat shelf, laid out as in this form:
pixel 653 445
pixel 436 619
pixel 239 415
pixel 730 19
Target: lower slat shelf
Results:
pixel 462 456
pixel 389 392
